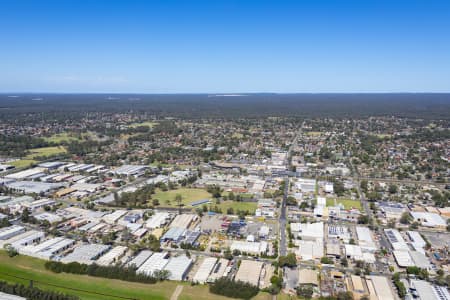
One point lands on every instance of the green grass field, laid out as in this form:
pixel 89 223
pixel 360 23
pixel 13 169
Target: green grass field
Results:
pixel 188 195
pixel 147 123
pixel 45 151
pixel 348 203
pixel 22 163
pixel 250 206
pixel 31 268
pixel 63 137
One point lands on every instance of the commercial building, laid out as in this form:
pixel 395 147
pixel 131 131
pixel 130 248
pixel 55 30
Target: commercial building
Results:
pixel 429 219
pixel 11 231
pixel 250 247
pixel 308 277
pixel 380 285
pixel 308 231
pixel 183 220
pixel 112 256
pixel 365 239
pixel 396 240
pixel 423 290
pixel 310 250
pixel 139 259
pixel 156 262
pixel 178 267
pixel 249 271
pixel 48 249
pixel 86 254
pixel 158 220
pixel 205 269
pixel 219 270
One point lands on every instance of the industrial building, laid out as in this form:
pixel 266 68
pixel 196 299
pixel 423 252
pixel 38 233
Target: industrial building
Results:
pixel 249 271
pixel 221 269
pixel 86 254
pixel 11 231
pixel 158 220
pixel 309 250
pixel 396 240
pixel 381 287
pixel 178 267
pixel 183 220
pixel 423 290
pixel 365 240
pixel 429 219
pixel 139 259
pixel 48 249
pixel 308 277
pixel 308 231
pixel 156 262
pixel 205 269
pixel 112 256
pixel 250 247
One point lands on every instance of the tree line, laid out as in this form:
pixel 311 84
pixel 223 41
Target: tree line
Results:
pixel 33 293
pixel 112 272
pixel 233 289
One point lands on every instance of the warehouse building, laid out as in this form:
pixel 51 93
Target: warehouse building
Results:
pixel 183 220
pixel 417 241
pixel 178 267
pixel 423 290
pixel 48 249
pixel 205 269
pixel 310 250
pixel 33 187
pixel 308 277
pixel 429 219
pixel 11 231
pixel 381 286
pixel 249 247
pixel 131 170
pixel 32 237
pixel 156 262
pixel 308 231
pixel 86 254
pixel 396 240
pixel 219 270
pixel 112 256
pixel 113 217
pixel 139 259
pixel 250 272
pixel 158 220
pixel 365 239
pixel 174 234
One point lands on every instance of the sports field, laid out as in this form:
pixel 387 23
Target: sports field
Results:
pixel 167 198
pixel 148 124
pixel 348 203
pixel 45 151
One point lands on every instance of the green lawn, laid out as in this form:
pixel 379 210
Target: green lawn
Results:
pixel 63 137
pixel 22 163
pixel 147 123
pixel 348 203
pixel 188 195
pixel 32 268
pixel 45 151
pixel 250 206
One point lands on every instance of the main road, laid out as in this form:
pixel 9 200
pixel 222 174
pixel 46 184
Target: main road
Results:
pixel 282 219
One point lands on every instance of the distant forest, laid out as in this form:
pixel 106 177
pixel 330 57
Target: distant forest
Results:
pixel 414 105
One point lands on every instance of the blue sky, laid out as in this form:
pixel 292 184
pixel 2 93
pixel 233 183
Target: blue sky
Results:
pixel 224 46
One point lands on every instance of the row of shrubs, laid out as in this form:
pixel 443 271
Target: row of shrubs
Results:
pixel 33 293
pixel 113 272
